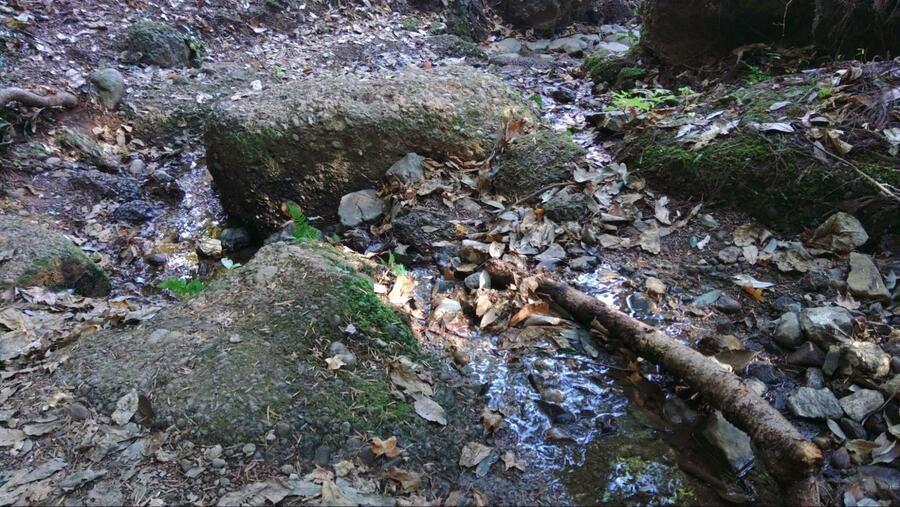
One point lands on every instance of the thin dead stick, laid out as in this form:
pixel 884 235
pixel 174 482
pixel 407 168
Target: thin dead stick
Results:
pixel 791 459
pixel 542 190
pixel 31 99
pixel 872 181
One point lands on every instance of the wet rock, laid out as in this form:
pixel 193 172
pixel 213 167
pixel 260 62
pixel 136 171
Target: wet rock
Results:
pixel 861 403
pixel 210 248
pixel 136 212
pixel 257 160
pixel 563 94
pixel 852 429
pixel 764 372
pixel 864 359
pixel 814 404
pixel 162 185
pixel 556 434
pixel 473 281
pixel 826 326
pixel 713 344
pixel 583 263
pixel 727 304
pixel 89 149
pixel 538 46
pixel 508 45
pixel 676 411
pixel 566 205
pixel 35 256
pixel 840 459
pixel 110 86
pixel 152 43
pixel 875 424
pixel 234 238
pixel 640 304
pixel 360 207
pixel 841 233
pixel 787 331
pixel 814 378
pixel 864 280
pixel 408 170
pixel 729 255
pixel 816 280
pixel 807 354
pixel 553 395
pixel 156 259
pixel 787 304
pixel 732 442
pixel 105 185
pixel 832 360
pixel 573 46
pixel 895 364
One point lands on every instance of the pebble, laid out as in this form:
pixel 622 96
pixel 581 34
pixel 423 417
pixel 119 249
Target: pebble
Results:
pixel 218 463
pixel 288 469
pixel 807 355
pixel 787 331
pixel 813 377
pixel 655 286
pixel 840 459
pixel 852 429
pixel 78 412
pixel 727 304
pixel 553 396
pixel 156 259
pixel 209 247
pixel 729 255
pixel 248 449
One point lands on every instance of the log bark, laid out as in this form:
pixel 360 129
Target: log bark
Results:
pixel 31 99
pixel 791 459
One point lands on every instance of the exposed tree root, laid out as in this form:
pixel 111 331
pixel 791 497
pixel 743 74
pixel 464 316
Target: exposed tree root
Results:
pixel 31 99
pixel 791 459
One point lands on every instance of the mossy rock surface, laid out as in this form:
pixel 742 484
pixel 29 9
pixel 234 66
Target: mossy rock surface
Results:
pixel 774 176
pixel 153 43
pixel 315 140
pixel 33 256
pixel 249 353
pixel 536 159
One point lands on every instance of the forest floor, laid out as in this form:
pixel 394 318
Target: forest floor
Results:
pixel 551 413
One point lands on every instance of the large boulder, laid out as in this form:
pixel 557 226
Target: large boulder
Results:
pixel 690 32
pixel 31 255
pixel 316 140
pixel 248 355
pixel 537 159
pixel 153 43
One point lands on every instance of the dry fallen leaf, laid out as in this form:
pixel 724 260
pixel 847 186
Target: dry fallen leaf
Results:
pixel 492 419
pixel 511 461
pixel 409 481
pixel 385 447
pixel 473 453
pixel 335 363
pixel 429 410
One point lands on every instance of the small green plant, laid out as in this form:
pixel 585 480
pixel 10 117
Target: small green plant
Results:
pixel 230 264
pixel 397 268
pixel 756 74
pixel 642 100
pixel 302 229
pixel 538 100
pixel 825 92
pixel 411 24
pixel 279 72
pixel 183 288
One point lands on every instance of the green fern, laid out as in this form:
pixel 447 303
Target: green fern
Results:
pixel 302 229
pixel 183 288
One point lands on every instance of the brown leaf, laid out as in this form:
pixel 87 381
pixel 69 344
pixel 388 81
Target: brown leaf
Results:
pixel 409 481
pixel 385 447
pixel 492 419
pixel 429 410
pixel 510 461
pixel 528 310
pixel 473 453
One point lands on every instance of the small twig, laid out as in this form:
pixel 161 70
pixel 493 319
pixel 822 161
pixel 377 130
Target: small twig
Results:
pixel 872 181
pixel 542 190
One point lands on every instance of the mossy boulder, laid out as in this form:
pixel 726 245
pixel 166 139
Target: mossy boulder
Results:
pixel 248 354
pixel 537 159
pixel 32 256
pixel 315 140
pixel 153 43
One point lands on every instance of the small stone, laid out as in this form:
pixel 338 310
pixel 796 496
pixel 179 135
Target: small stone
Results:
pixel 655 286
pixel 764 372
pixel 639 303
pixel 234 238
pixel 78 412
pixel 218 463
pixel 248 449
pixel 727 304
pixel 840 459
pixel 787 331
pixel 110 86
pixel 875 424
pixel 827 325
pixel 734 443
pixel 322 456
pixel 538 46
pixel 861 403
pixel 473 281
pixel 156 259
pixel 136 167
pixel 360 207
pixel 807 354
pixel 715 343
pixel 136 212
pixel 841 233
pixel 864 280
pixel 209 247
pixel 813 377
pixel 553 396
pixel 814 404
pixel 508 45
pixel 288 469
pixel 460 357
pixel 864 359
pixel 676 411
pixel 895 364
pixel 214 452
pixel 832 360
pixel 729 255
pixel 409 169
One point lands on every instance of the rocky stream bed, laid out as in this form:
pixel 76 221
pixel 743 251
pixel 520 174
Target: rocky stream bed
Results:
pixel 250 268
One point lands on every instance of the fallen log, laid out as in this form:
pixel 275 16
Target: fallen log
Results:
pixel 790 459
pixel 31 99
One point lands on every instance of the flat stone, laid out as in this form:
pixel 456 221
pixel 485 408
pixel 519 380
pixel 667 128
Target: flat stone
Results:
pixel 570 45
pixel 807 354
pixel 787 331
pixel 359 207
pixel 508 45
pixel 409 169
pixel 840 233
pixel 727 304
pixel 729 255
pixel 864 359
pixel 864 280
pixel 827 325
pixel 814 404
pixel 861 403
pixel 612 47
pixel 209 247
pixel 734 443
pixel 813 377
pixel 538 46
pixel 852 429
